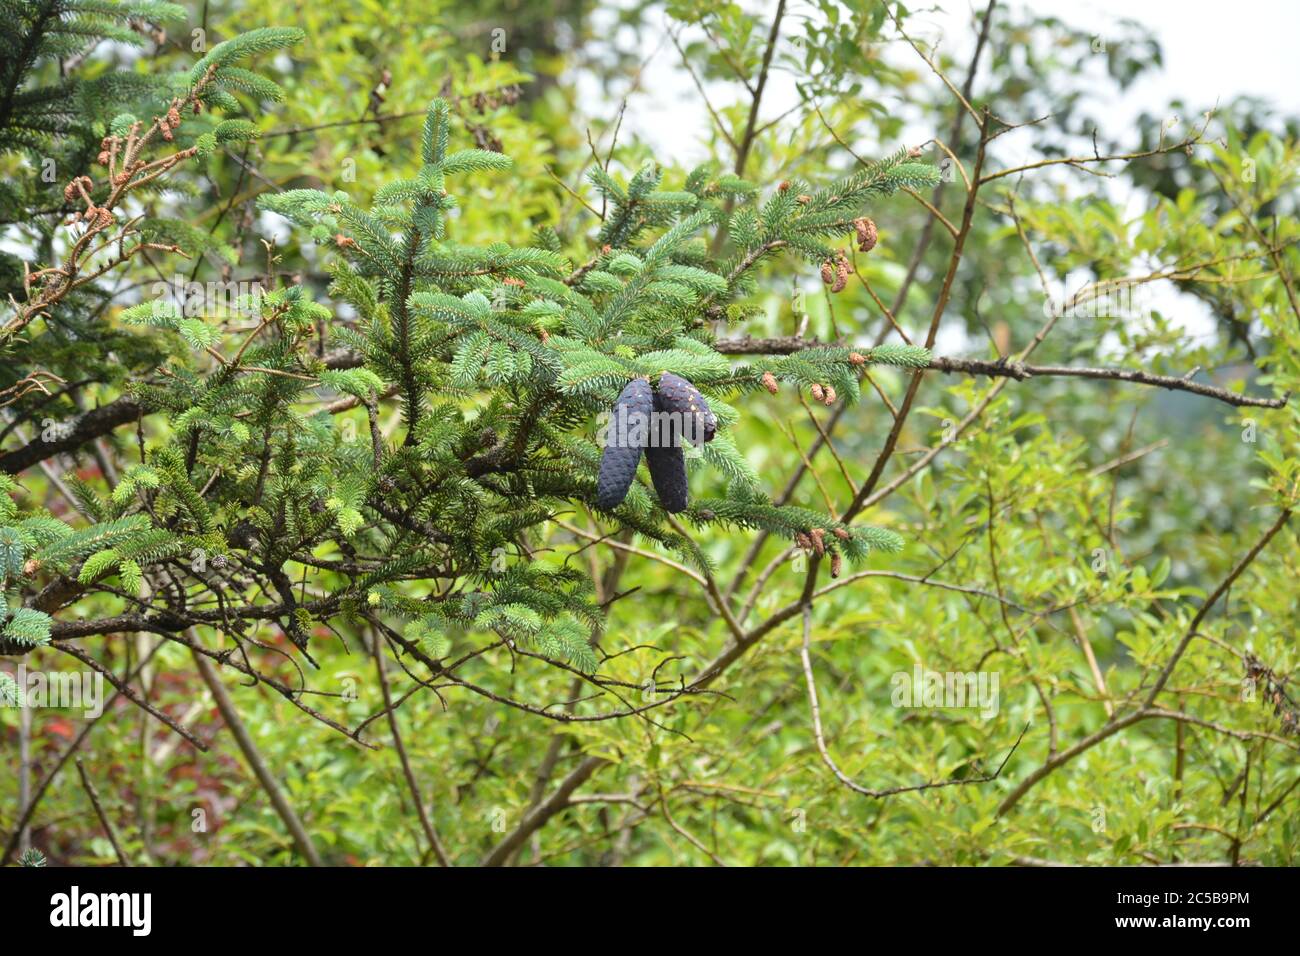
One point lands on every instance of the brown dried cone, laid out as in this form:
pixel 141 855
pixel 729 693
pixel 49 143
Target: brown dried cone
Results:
pixel 841 272
pixel 857 358
pixel 828 273
pixel 841 534
pixel 817 392
pixel 836 563
pixel 769 382
pixel 818 536
pixel 867 235
pixel 829 397
pixel 803 540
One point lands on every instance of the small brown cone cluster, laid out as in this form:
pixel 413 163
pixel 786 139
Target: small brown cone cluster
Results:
pixel 170 121
pixel 97 216
pixel 769 382
pixel 867 235
pixel 835 272
pixel 81 184
pixel 815 541
pixel 825 394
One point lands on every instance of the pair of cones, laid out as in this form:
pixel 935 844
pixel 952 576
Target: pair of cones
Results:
pixel 677 403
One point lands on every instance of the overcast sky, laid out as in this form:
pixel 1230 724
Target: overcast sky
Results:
pixel 1212 51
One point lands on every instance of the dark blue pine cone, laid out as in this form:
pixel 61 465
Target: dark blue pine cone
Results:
pixel 627 435
pixel 678 396
pixel 667 464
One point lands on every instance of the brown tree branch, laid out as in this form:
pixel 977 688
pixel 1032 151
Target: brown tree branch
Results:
pixel 1010 368
pixel 253 757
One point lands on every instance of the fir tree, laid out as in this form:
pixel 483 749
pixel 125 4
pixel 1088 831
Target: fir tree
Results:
pixel 501 356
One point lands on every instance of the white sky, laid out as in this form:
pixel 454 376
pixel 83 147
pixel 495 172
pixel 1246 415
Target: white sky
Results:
pixel 1212 52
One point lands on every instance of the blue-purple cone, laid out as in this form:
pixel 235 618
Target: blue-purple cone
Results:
pixel 626 437
pixel 678 396
pixel 667 464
